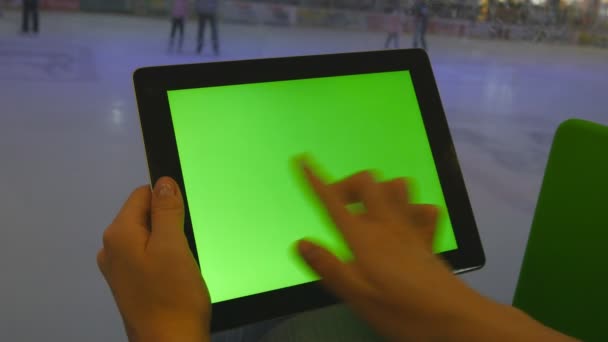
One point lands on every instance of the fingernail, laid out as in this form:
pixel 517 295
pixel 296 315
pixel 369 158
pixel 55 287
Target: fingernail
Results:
pixel 303 162
pixel 307 250
pixel 165 190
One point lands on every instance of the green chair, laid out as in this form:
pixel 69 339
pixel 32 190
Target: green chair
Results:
pixel 564 276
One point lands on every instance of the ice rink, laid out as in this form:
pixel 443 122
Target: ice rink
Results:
pixel 72 150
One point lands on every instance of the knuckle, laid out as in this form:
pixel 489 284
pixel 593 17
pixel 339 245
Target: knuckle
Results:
pixel 108 237
pixel 324 268
pixel 364 176
pixel 168 204
pixel 172 210
pixel 399 182
pixel 101 260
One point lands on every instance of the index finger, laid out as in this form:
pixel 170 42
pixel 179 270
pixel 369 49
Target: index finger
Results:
pixel 331 201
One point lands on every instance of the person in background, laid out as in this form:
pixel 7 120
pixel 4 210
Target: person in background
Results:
pixel 207 12
pixel 178 19
pixel 421 17
pixel 30 10
pixel 393 28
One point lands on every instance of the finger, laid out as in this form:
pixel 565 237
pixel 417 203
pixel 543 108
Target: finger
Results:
pixel 130 227
pixel 397 195
pixel 425 217
pixel 332 203
pixel 136 208
pixel 167 213
pixel 422 216
pixel 362 187
pixel 339 278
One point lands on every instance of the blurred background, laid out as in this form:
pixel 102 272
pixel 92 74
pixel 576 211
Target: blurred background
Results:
pixel 508 72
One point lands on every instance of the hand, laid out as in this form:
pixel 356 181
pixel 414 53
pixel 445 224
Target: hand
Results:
pixel 395 281
pixel 154 278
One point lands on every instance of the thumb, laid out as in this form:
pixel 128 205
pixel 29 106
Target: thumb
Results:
pixel 340 278
pixel 167 213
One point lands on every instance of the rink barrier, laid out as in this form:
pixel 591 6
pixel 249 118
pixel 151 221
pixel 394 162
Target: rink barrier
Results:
pixel 115 6
pixel 63 5
pixel 245 12
pixel 53 5
pixel 256 13
pixel 153 7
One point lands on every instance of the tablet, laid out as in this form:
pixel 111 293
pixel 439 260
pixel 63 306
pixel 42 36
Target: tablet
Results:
pixel 227 132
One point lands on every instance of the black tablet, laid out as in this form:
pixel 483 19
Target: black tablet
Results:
pixel 228 131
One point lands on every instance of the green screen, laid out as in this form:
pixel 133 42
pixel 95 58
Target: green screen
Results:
pixel 247 200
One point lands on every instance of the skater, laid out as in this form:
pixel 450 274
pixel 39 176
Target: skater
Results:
pixel 207 12
pixel 421 15
pixel 393 28
pixel 178 19
pixel 30 11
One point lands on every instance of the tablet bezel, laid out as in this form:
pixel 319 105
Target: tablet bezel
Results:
pixel 152 84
